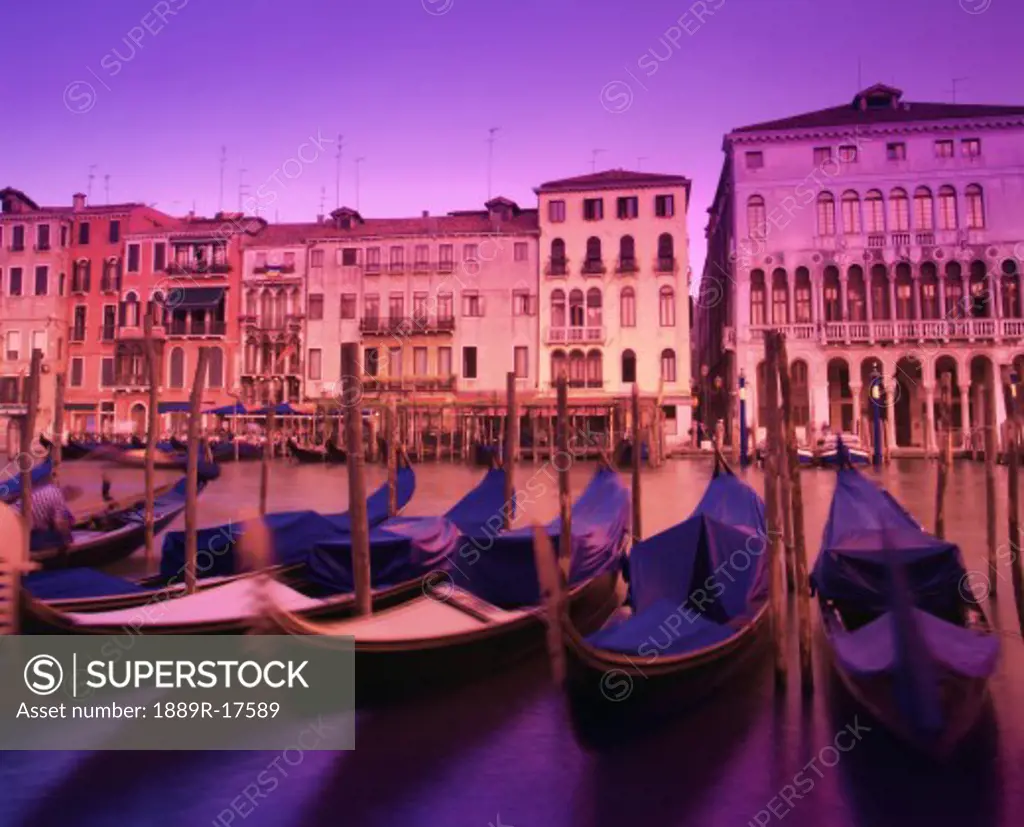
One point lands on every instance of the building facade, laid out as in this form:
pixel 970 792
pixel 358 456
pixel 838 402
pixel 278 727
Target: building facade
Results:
pixel 442 305
pixel 614 291
pixel 880 236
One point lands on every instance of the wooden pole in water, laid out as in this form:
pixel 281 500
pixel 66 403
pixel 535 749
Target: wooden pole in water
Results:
pixel 265 459
pixel 357 479
pixel 552 598
pixel 945 453
pixel 771 498
pixel 192 472
pixel 562 464
pixel 56 452
pixel 798 559
pixel 511 444
pixel 990 485
pixel 637 458
pixel 28 427
pixel 153 365
pixel 1013 510
pixel 391 423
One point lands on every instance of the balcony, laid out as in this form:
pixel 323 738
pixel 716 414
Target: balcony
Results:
pixel 132 332
pixel 900 240
pixel 196 327
pixel 626 265
pixel 421 267
pixel 576 335
pixel 876 241
pixel 42 248
pixel 924 239
pixel 396 267
pixel 17 248
pixel 372 268
pixel 409 383
pixel 557 267
pixel 197 268
pixel 405 325
pixel 578 384
pixel 446 267
pixel 902 330
pixel 110 284
pixel 283 269
pixel 76 333
pixel 292 369
pixel 593 267
pixel 125 380
pixel 108 332
pixel 79 285
pixel 665 264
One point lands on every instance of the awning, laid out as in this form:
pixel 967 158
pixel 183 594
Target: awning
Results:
pixel 193 298
pixel 173 407
pixel 80 406
pixel 281 409
pixel 237 409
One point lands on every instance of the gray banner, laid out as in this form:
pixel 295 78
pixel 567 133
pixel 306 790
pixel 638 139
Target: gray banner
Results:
pixel 177 692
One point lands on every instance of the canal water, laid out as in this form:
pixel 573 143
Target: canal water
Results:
pixel 500 751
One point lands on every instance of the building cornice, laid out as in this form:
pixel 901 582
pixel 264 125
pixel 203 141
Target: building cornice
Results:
pixel 862 131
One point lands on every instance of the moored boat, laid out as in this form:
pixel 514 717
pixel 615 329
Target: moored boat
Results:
pixel 10 488
pixel 696 616
pixel 906 639
pixel 306 455
pixel 828 451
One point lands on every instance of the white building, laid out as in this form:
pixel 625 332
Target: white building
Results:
pixel 881 234
pixel 442 305
pixel 614 306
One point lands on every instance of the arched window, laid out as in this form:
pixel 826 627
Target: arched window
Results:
pixel 593 263
pixel 81 276
pixel 594 307
pixel 757 311
pixel 874 212
pixel 826 214
pixel 929 291
pixel 266 309
pixel 955 307
pixel 756 218
pixel 558 308
pixel 667 307
pixel 947 208
pixel 666 253
pixel 880 293
pixel 130 311
pixel 557 364
pixel 558 263
pixel 904 293
pixel 1011 289
pixel 899 210
pixel 251 302
pixel 780 297
pixel 628 366
pixel 177 368
pixel 924 210
pixel 576 308
pixel 158 307
pixel 975 207
pixel 831 295
pixel 215 368
pixel 981 300
pixel 627 307
pixel 851 212
pixel 595 369
pixel 279 308
pixel 668 365
pixel 577 369
pixel 856 295
pixel 800 393
pixel 627 254
pixel 802 292
pixel 252 355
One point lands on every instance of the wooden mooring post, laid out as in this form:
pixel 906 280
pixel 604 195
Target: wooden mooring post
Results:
pixel 391 428
pixel 1013 491
pixel 991 447
pixel 56 452
pixel 511 446
pixel 357 479
pixel 153 366
pixel 945 434
pixel 637 458
pixel 562 464
pixel 28 429
pixel 192 471
pixel 798 558
pixel 771 499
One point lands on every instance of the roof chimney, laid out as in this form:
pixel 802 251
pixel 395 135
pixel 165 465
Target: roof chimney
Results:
pixel 426 213
pixel 320 219
pixel 78 201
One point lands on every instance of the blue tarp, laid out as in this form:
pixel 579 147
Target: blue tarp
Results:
pixel 10 488
pixel 77 583
pixel 281 409
pixel 238 409
pixel 482 509
pixel 694 584
pixel 173 407
pixel 402 549
pixel 293 534
pixel 880 567
pixel 500 568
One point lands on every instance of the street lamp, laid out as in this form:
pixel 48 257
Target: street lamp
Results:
pixel 744 456
pixel 876 415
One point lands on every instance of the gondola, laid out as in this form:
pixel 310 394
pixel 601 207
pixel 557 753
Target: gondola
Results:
pixel 178 444
pixel 907 642
pixel 75 449
pixel 805 456
pixel 484 610
pixel 624 454
pixel 306 455
pixel 335 454
pixel 828 451
pixel 696 616
pixel 485 456
pixel 108 536
pixel 10 488
pixel 226 451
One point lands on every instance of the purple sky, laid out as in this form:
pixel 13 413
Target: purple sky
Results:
pixel 415 92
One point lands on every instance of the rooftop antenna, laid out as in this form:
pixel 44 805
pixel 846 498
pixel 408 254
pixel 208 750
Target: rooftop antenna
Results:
pixel 337 173
pixel 243 189
pixel 490 157
pixel 323 199
pixel 358 162
pixel 106 187
pixel 223 168
pixel 593 159
pixel 92 175
pixel 639 162
pixel 955 82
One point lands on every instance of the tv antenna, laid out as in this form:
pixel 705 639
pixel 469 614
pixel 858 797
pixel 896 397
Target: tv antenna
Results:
pixel 593 159
pixel 243 189
pixel 106 187
pixel 359 161
pixel 323 200
pixel 92 175
pixel 953 89
pixel 223 169
pixel 337 173
pixel 639 162
pixel 490 157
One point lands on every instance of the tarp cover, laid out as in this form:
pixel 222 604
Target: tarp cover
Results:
pixel 62 584
pixel 698 582
pixel 481 510
pixel 500 568
pixel 10 488
pixel 173 407
pixel 401 549
pixel 293 534
pixel 238 409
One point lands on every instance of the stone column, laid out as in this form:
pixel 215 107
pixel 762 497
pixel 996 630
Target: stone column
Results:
pixel 967 303
pixel 892 295
pixel 915 287
pixel 891 388
pixel 869 309
pixel 790 290
pixel 943 314
pixel 1000 400
pixel 965 412
pixel 930 445
pixel 816 288
pixel 844 309
pixel 855 390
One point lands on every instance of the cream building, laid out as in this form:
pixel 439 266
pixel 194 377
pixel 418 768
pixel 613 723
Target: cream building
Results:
pixel 614 305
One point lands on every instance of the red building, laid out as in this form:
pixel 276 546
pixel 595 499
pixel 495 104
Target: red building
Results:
pixel 189 277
